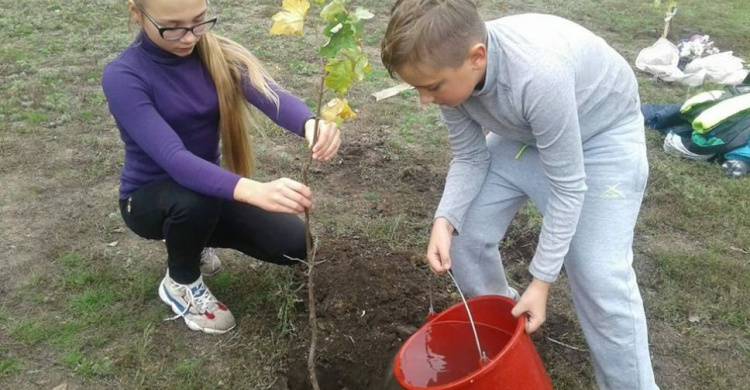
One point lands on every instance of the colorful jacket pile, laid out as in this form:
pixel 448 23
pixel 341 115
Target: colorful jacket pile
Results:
pixel 720 123
pixel 712 125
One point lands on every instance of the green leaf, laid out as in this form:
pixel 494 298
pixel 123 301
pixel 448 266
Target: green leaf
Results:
pixel 334 26
pixel 360 63
pixel 348 21
pixel 337 43
pixel 333 9
pixel 350 64
pixel 358 27
pixel 339 74
pixel 363 14
pixel 342 36
pixel 670 5
pixel 358 58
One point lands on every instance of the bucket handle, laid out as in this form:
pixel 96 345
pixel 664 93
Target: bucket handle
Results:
pixel 431 313
pixel 482 356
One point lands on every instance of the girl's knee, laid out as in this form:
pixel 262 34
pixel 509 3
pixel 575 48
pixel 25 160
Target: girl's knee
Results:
pixel 195 209
pixel 292 248
pixel 297 245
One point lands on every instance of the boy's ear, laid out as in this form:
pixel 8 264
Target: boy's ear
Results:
pixel 478 56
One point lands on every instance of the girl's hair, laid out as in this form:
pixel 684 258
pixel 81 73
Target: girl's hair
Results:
pixel 436 33
pixel 229 65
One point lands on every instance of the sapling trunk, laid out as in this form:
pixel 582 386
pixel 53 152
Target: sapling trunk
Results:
pixel 311 252
pixel 345 62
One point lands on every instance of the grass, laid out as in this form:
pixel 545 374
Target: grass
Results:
pixel 8 367
pixel 89 311
pixel 94 334
pixel 91 296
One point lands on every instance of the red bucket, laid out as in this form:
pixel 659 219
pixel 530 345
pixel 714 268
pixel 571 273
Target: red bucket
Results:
pixel 442 354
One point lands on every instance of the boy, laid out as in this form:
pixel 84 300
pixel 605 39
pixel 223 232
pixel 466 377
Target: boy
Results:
pixel 563 115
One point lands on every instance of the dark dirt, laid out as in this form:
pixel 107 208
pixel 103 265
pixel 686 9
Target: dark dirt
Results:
pixel 361 315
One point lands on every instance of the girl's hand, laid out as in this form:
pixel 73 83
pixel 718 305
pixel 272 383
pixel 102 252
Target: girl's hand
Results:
pixel 439 250
pixel 328 141
pixel 533 303
pixel 281 195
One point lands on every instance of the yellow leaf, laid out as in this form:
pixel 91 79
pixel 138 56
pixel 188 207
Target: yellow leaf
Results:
pixel 291 18
pixel 337 110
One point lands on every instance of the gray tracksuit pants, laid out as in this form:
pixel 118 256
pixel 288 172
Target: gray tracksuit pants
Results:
pixel 599 262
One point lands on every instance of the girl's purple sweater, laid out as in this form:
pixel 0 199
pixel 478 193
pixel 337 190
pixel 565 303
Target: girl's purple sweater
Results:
pixel 167 111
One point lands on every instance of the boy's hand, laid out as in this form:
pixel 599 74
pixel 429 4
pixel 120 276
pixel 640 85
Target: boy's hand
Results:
pixel 439 249
pixel 329 139
pixel 533 303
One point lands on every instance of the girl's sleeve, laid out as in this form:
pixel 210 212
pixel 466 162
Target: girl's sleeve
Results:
pixel 291 113
pixel 548 102
pixel 134 111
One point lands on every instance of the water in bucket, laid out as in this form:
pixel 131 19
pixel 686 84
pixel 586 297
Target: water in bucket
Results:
pixel 446 352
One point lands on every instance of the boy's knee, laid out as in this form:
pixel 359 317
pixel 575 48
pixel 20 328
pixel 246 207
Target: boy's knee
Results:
pixel 475 238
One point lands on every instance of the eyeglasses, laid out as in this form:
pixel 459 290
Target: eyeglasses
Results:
pixel 176 33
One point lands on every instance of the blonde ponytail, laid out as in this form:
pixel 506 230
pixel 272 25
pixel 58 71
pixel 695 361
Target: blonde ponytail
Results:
pixel 227 62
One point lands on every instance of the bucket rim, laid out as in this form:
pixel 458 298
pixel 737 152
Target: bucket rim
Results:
pixel 476 375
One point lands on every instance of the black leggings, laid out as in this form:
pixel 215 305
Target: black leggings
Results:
pixel 189 222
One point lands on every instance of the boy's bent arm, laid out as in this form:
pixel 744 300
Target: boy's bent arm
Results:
pixel 549 105
pixel 468 167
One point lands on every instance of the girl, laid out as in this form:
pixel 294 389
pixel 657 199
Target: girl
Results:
pixel 175 93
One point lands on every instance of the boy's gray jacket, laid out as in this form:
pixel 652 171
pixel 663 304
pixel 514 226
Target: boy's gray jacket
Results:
pixel 551 84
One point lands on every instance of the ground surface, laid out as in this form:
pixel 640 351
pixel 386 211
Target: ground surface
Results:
pixel 78 303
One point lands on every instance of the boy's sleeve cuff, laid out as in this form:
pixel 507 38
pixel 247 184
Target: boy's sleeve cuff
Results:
pixel 543 276
pixel 457 225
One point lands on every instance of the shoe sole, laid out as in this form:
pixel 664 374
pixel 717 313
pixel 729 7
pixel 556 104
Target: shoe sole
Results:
pixel 192 325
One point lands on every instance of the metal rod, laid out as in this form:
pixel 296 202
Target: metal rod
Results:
pixel 432 307
pixel 482 355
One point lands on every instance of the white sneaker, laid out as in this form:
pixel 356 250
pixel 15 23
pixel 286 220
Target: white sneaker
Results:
pixel 210 263
pixel 196 305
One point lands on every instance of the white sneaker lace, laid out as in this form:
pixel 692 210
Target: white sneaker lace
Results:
pixel 201 302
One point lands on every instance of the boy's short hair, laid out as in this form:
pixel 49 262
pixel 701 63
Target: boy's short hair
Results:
pixel 436 33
